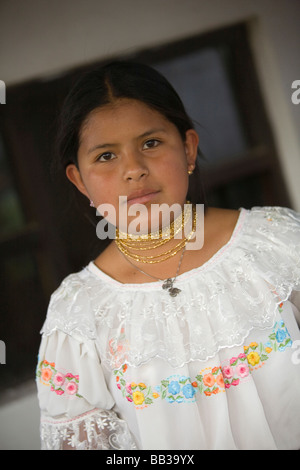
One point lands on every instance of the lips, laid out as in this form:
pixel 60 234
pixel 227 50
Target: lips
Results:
pixel 141 196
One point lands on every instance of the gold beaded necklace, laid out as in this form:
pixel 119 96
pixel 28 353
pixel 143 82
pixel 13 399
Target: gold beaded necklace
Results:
pixel 164 232
pixel 138 242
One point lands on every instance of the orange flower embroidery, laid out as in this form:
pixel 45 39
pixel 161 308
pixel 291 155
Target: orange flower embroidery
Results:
pixel 46 374
pixel 220 380
pixel 208 380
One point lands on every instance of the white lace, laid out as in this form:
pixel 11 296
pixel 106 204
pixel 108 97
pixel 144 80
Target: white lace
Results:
pixel 237 290
pixel 95 430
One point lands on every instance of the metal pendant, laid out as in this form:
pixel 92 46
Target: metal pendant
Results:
pixel 174 291
pixel 168 284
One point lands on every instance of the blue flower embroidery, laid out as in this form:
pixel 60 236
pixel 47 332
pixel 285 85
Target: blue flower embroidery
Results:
pixel 174 387
pixel 188 391
pixel 280 336
pixel 180 388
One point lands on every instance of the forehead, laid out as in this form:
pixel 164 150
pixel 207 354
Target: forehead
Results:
pixel 122 117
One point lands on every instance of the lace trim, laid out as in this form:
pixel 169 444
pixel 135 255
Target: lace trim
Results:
pixel 94 430
pixel 220 303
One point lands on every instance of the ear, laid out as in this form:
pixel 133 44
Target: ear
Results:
pixel 191 147
pixel 73 174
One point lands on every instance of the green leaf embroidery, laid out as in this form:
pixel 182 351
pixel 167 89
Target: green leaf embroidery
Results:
pixel 148 401
pixel 263 357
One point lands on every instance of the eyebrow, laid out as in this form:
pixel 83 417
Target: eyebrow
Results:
pixel 145 134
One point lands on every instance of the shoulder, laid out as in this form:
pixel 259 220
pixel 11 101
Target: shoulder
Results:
pixel 269 242
pixel 274 223
pixel 276 215
pixel 69 307
pixel 269 235
pixel 278 219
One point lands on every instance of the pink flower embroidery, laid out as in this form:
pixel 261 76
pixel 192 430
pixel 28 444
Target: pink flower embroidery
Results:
pixel 233 360
pixel 59 379
pixel 60 383
pixel 227 372
pixel 71 388
pixel 58 392
pixel 242 370
pixel 235 382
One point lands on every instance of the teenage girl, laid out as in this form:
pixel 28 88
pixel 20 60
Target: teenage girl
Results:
pixel 156 344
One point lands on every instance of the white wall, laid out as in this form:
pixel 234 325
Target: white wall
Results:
pixel 39 38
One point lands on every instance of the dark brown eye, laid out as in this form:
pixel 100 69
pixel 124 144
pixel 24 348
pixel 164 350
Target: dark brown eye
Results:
pixel 151 143
pixel 105 157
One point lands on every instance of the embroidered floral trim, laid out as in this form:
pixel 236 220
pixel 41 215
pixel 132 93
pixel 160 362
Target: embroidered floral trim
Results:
pixel 210 381
pixel 60 383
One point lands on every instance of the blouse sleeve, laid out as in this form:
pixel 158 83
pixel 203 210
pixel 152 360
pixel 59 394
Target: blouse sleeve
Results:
pixel 76 406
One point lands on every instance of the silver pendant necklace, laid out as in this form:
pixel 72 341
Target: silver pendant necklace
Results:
pixel 168 284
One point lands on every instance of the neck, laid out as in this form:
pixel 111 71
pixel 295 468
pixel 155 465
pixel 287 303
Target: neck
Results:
pixel 167 230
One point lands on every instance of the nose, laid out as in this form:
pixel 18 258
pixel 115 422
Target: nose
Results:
pixel 135 167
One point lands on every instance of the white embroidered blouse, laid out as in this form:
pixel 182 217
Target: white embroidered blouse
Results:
pixel 126 366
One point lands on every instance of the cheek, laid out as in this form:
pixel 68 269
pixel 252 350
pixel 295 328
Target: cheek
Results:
pixel 102 189
pixel 175 174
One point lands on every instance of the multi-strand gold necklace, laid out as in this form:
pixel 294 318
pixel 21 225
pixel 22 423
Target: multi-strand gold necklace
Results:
pixel 154 240
pixel 128 244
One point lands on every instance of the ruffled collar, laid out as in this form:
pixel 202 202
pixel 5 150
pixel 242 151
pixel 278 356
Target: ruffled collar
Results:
pixel 237 290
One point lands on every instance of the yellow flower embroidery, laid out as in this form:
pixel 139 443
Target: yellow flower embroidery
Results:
pixel 253 358
pixel 138 398
pixel 210 381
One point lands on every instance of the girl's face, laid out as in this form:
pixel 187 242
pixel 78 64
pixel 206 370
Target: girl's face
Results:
pixel 128 149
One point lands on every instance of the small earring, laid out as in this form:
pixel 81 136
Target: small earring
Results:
pixel 92 204
pixel 190 172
